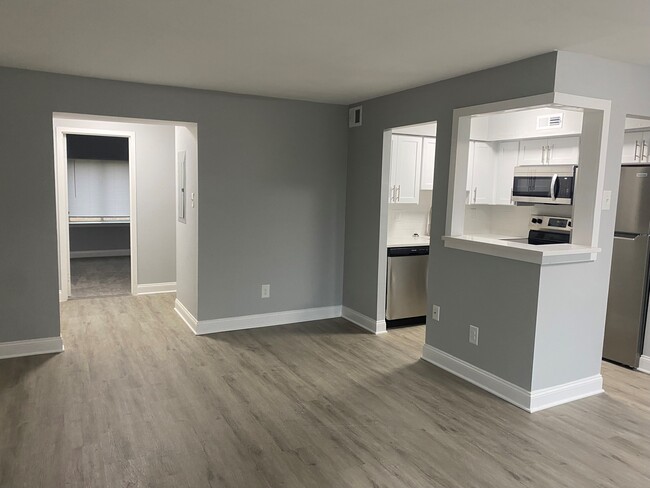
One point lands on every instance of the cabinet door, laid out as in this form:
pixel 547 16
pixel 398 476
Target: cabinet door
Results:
pixel 632 142
pixel 408 162
pixel 645 148
pixel 470 174
pixel 393 169
pixel 563 150
pixel 483 174
pixel 531 151
pixel 428 162
pixel 508 153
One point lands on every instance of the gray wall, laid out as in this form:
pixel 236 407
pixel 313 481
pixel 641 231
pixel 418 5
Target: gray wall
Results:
pixel 187 273
pixel 463 284
pixel 99 237
pixel 628 87
pixel 271 187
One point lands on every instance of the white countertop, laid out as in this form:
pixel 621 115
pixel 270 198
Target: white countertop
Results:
pixel 501 246
pixel 408 241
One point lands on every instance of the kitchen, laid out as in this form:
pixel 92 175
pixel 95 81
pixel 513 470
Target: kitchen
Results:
pixel 520 189
pixel 517 162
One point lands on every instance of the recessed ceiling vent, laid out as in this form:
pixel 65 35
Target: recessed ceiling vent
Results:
pixel 553 121
pixel 354 116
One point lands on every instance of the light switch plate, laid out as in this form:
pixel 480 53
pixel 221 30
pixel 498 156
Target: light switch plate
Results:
pixel 607 200
pixel 266 291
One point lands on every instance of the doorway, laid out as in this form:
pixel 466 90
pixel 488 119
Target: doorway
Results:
pixel 99 215
pixel 97 212
pixel 407 189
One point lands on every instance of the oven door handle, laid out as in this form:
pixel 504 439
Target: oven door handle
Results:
pixel 553 185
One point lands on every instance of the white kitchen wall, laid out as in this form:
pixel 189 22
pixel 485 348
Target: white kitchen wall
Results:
pixel 406 219
pixel 523 125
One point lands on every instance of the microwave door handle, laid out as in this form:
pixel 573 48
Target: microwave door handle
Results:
pixel 554 183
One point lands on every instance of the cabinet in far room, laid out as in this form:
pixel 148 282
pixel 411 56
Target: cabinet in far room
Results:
pixel 405 167
pixel 555 150
pixel 411 167
pixel 428 162
pixel 636 148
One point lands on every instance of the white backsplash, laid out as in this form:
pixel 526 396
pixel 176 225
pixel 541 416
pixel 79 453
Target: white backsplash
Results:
pixel 507 220
pixel 406 219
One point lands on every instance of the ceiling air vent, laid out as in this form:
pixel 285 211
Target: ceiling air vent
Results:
pixel 553 121
pixel 354 116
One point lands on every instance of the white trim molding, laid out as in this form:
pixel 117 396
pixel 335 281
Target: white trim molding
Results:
pixel 102 253
pixel 31 347
pixel 363 321
pixel 151 288
pixel 267 319
pixel 187 316
pixel 644 364
pixel 531 401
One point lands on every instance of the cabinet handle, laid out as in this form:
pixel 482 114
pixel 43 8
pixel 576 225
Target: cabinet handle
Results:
pixel 399 192
pixel 636 150
pixel 548 154
pixel 543 154
pixel 643 154
pixel 392 194
pixel 475 194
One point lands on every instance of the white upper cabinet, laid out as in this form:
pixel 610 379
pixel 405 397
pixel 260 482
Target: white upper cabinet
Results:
pixel 428 162
pixel 563 150
pixel 556 150
pixel 636 148
pixel 405 167
pixel 507 156
pixel 482 162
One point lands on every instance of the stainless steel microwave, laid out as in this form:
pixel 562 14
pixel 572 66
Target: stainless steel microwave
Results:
pixel 544 184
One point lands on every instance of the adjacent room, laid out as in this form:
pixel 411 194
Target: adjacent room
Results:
pixel 99 215
pixel 335 244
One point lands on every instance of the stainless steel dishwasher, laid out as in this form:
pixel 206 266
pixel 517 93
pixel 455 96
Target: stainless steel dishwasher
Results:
pixel 406 285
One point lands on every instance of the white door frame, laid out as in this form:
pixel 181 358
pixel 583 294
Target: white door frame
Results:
pixel 61 183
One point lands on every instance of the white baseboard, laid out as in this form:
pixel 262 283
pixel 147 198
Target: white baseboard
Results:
pixel 109 253
pixel 31 347
pixel 266 319
pixel 186 315
pixel 150 288
pixel 644 364
pixel 61 297
pixel 565 393
pixel 363 321
pixel 531 401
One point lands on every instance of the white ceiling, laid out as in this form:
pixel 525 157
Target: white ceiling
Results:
pixel 326 50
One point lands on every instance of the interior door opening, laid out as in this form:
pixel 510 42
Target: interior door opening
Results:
pixel 408 169
pixel 99 215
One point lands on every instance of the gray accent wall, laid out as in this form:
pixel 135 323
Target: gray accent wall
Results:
pixel 271 183
pixel 499 294
pixel 628 87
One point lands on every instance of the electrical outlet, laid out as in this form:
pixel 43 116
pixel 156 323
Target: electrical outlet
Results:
pixel 473 335
pixel 435 313
pixel 266 291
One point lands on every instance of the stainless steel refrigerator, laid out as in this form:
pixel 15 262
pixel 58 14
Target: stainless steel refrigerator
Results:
pixel 627 306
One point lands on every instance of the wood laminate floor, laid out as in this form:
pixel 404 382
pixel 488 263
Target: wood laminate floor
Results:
pixel 100 277
pixel 137 400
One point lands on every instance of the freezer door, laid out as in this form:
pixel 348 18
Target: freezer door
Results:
pixel 406 290
pixel 626 306
pixel 633 211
